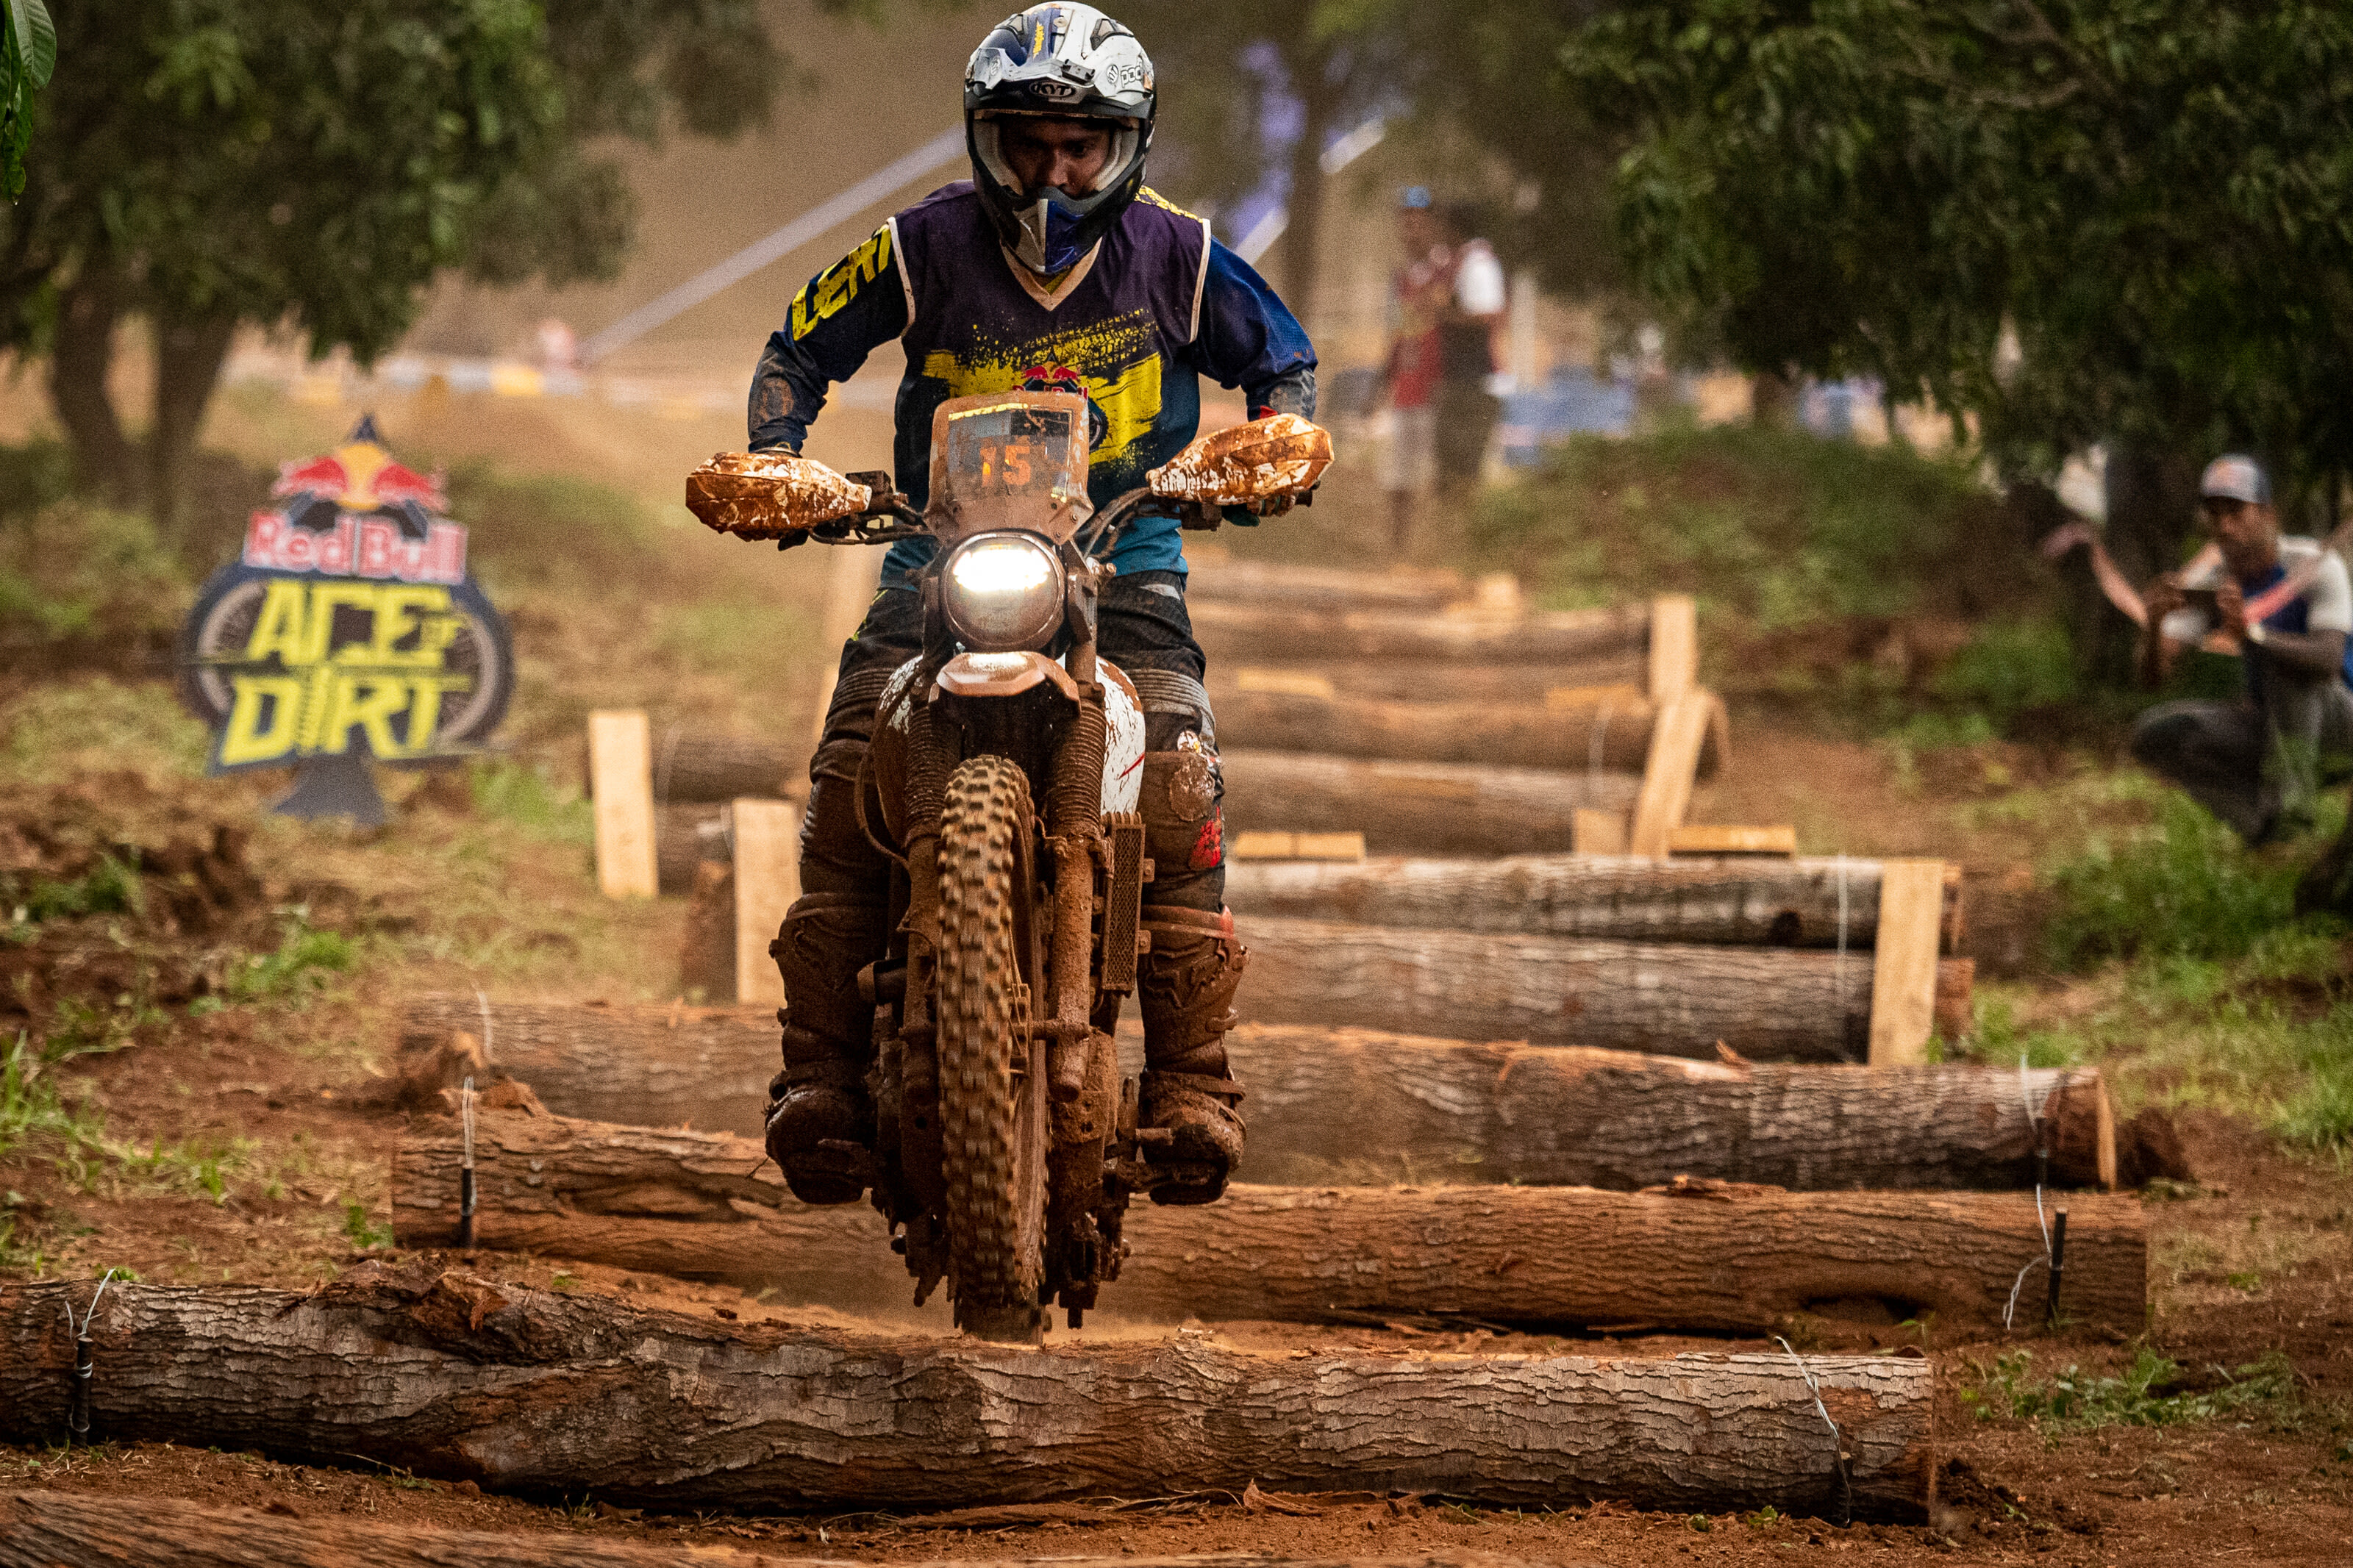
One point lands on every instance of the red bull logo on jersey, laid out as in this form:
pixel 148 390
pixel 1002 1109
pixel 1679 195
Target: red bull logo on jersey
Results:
pixel 354 512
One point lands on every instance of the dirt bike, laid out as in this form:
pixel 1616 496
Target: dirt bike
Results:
pixel 1003 783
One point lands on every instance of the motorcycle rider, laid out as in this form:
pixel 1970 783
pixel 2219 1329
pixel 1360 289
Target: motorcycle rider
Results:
pixel 1054 269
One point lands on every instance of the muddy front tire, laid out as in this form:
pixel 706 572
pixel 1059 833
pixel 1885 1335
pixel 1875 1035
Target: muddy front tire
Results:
pixel 992 1108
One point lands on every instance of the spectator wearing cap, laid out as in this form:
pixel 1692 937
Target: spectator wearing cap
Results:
pixel 2255 762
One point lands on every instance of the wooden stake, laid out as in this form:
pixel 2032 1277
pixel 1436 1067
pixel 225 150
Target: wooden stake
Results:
pixel 621 780
pixel 1904 961
pixel 1339 847
pixel 1676 744
pixel 1674 647
pixel 767 880
pixel 849 589
pixel 1717 838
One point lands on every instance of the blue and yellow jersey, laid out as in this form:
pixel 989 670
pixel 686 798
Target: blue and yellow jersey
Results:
pixel 1133 326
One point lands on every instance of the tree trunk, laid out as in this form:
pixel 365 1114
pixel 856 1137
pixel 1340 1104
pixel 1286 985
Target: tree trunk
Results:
pixel 1715 1258
pixel 1416 808
pixel 1302 238
pixel 1680 1001
pixel 529 1390
pixel 1326 590
pixel 1773 401
pixel 104 462
pixel 1739 900
pixel 1446 1110
pixel 189 353
pixel 83 1530
pixel 1595 730
pixel 2152 506
pixel 1254 633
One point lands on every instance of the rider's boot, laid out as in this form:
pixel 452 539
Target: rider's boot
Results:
pixel 820 1119
pixel 1184 989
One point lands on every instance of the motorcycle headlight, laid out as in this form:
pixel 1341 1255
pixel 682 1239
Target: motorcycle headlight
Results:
pixel 1003 593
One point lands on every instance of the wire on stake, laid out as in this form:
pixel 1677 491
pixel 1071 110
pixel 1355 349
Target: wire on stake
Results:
pixel 85 1366
pixel 466 1167
pixel 1838 1438
pixel 2053 1247
pixel 1840 972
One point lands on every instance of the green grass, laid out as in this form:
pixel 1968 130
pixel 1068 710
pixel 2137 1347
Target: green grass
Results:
pixel 2148 1393
pixel 1781 528
pixel 58 731
pixel 76 574
pixel 524 795
pixel 31 1107
pixel 298 968
pixel 109 886
pixel 2183 887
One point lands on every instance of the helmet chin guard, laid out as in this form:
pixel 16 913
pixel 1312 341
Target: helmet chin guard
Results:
pixel 1061 62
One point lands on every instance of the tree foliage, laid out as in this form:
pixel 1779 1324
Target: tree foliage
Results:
pixel 207 163
pixel 2081 220
pixel 28 54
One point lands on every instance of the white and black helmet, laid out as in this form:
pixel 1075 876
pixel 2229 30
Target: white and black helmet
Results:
pixel 1067 61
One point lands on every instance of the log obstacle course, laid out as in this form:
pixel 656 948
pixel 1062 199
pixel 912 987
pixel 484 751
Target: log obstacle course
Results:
pixel 1710 1257
pixel 1626 1090
pixel 1451 1110
pixel 530 1390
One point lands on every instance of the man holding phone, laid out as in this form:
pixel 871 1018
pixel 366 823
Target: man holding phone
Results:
pixel 2254 762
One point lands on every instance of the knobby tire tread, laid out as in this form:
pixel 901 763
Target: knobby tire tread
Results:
pixel 986 804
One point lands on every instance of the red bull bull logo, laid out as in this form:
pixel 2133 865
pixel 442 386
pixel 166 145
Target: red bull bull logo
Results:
pixel 372 496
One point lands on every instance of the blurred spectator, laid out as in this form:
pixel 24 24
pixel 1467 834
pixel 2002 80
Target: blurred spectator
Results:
pixel 1417 289
pixel 1468 382
pixel 2256 762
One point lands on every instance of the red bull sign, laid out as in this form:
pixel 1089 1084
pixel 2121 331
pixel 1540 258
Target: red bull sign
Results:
pixel 355 512
pixel 347 630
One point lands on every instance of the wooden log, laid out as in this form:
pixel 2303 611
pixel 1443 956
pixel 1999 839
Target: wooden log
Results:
pixel 1457 1111
pixel 1596 729
pixel 1711 1258
pixel 1767 1004
pixel 1261 632
pixel 1324 588
pixel 660 1066
pixel 1411 679
pixel 1415 808
pixel 1446 1110
pixel 1779 903
pixel 447 1374
pixel 84 1529
pixel 714 769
